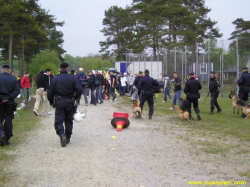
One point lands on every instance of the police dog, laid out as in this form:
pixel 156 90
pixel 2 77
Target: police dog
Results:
pixel 136 104
pixel 183 112
pixel 245 107
pixel 235 98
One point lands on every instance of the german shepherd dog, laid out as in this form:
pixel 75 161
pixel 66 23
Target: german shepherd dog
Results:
pixel 183 110
pixel 136 104
pixel 235 98
pixel 245 107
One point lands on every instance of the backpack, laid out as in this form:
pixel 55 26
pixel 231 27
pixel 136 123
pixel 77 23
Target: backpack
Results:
pixel 97 82
pixel 83 80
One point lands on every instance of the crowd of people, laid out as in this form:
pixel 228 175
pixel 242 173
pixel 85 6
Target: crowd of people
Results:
pixel 64 92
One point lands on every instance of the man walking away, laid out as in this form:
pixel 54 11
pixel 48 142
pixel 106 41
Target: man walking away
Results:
pixel 98 87
pixel 25 84
pixel 9 90
pixel 91 86
pixel 113 85
pixel 50 77
pixel 191 89
pixel 131 81
pixel 214 89
pixel 147 88
pixel 124 84
pixel 137 84
pixel 167 88
pixel 102 84
pixel 65 89
pixel 244 84
pixel 83 80
pixel 42 83
pixel 177 89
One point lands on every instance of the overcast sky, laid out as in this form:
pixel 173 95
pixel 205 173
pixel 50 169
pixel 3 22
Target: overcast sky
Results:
pixel 83 20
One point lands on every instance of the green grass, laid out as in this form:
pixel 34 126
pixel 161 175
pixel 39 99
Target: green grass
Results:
pixel 224 123
pixel 24 123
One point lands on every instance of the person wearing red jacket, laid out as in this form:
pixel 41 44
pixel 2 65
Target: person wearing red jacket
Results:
pixel 25 84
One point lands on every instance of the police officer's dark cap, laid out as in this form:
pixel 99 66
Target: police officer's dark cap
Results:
pixel 244 68
pixel 212 72
pixel 192 73
pixel 140 72
pixel 6 66
pixel 64 65
pixel 146 71
pixel 90 71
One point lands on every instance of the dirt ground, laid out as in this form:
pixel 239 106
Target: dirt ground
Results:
pixel 145 154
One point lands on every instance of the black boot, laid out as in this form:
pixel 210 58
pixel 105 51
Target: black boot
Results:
pixel 219 110
pixel 150 117
pixel 2 139
pixel 63 140
pixel 68 140
pixel 211 113
pixel 199 117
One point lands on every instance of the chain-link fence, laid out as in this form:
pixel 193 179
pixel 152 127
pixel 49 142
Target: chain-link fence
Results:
pixel 219 56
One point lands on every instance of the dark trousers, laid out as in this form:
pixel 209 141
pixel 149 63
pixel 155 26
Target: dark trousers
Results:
pixel 124 88
pixel 6 116
pixel 112 92
pixel 93 98
pixel 214 102
pixel 195 105
pixel 244 93
pixel 64 113
pixel 148 96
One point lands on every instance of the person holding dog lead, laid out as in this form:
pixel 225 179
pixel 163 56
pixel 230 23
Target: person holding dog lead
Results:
pixel 63 92
pixel 191 89
pixel 146 86
pixel 244 85
pixel 214 89
pixel 9 90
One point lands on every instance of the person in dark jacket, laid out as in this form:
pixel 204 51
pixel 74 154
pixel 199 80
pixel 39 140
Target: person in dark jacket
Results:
pixel 244 86
pixel 147 87
pixel 177 89
pixel 113 85
pixel 98 87
pixel 83 80
pixel 137 84
pixel 214 89
pixel 72 72
pixel 91 86
pixel 65 89
pixel 42 83
pixel 191 89
pixel 9 90
pixel 102 84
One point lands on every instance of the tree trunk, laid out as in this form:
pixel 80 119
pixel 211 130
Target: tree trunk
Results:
pixel 22 52
pixel 20 65
pixel 10 48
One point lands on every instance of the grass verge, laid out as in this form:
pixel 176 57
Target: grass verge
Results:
pixel 24 123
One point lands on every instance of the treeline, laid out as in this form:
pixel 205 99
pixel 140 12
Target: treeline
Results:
pixel 156 25
pixel 26 29
pixel 91 62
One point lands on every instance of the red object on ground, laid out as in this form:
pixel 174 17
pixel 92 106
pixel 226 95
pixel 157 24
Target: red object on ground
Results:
pixel 120 121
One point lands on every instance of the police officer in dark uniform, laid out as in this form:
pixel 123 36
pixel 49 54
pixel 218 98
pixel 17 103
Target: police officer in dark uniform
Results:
pixel 244 85
pixel 192 88
pixel 146 86
pixel 64 89
pixel 9 90
pixel 214 89
pixel 137 84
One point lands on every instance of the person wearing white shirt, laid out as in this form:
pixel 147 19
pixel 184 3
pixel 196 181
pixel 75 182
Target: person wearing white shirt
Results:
pixel 124 83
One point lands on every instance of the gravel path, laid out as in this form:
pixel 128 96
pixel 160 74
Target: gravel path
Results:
pixel 144 155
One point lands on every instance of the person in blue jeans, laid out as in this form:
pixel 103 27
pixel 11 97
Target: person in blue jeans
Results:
pixel 177 89
pixel 167 88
